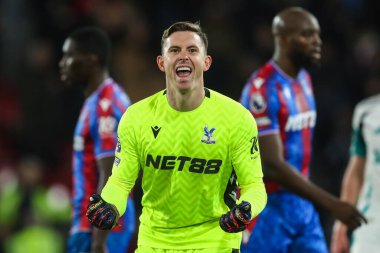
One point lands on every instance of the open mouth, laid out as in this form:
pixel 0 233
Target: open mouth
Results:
pixel 316 54
pixel 63 75
pixel 183 71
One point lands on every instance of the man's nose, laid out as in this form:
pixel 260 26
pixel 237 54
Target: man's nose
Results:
pixel 183 55
pixel 61 62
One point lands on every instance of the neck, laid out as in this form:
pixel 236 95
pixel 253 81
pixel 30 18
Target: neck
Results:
pixel 185 101
pixel 286 65
pixel 94 82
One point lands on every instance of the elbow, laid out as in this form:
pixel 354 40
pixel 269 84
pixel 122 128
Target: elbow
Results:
pixel 273 171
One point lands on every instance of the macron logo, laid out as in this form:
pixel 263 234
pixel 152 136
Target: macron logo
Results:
pixel 155 130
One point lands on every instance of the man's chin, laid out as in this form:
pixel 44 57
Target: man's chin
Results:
pixel 314 64
pixel 69 82
pixel 64 79
pixel 183 86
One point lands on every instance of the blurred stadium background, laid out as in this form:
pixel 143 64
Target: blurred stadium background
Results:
pixel 38 112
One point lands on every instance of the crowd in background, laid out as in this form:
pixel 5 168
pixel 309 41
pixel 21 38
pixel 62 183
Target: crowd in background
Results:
pixel 38 112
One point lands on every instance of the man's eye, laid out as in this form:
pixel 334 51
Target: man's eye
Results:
pixel 309 33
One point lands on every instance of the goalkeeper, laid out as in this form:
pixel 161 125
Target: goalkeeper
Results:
pixel 194 146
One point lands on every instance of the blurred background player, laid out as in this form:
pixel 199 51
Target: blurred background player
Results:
pixel 280 96
pixel 34 215
pixel 85 61
pixel 361 181
pixel 188 144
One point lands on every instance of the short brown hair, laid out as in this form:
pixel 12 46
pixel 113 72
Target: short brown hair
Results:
pixel 183 27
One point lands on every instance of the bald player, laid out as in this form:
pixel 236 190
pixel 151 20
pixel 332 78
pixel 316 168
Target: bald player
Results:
pixel 280 97
pixel 191 144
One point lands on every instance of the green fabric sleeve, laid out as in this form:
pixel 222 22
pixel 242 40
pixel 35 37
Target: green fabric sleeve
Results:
pixel 256 195
pixel 126 166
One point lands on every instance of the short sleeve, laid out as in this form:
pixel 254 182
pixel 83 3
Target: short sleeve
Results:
pixel 259 96
pixel 358 146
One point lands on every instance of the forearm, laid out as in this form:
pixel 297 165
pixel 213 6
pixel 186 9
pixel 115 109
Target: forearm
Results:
pixel 99 238
pixel 256 195
pixel 353 180
pixel 116 192
pixel 350 189
pixel 277 169
pixel 104 170
pixel 285 175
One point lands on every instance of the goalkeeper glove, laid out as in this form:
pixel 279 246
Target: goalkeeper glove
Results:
pixel 237 219
pixel 101 214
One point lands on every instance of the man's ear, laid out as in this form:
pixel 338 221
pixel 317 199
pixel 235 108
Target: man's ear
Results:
pixel 208 61
pixel 284 39
pixel 160 63
pixel 93 59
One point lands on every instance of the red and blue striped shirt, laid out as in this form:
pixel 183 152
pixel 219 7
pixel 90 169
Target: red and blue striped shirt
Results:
pixel 95 137
pixel 283 105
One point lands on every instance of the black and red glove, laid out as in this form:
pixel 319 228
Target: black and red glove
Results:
pixel 101 214
pixel 237 219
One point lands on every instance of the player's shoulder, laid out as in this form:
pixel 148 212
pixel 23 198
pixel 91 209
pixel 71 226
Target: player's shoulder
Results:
pixel 110 94
pixel 263 76
pixel 366 106
pixel 267 71
pixel 225 103
pixel 140 111
pixel 110 88
pixel 146 104
pixel 369 102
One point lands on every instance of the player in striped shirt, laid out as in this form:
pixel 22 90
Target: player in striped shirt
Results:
pixel 84 63
pixel 361 182
pixel 190 143
pixel 280 96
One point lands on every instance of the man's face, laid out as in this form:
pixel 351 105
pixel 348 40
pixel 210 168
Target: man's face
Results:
pixel 74 65
pixel 184 60
pixel 306 44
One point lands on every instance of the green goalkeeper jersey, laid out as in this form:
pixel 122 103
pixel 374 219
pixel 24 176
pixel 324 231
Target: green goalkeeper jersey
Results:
pixel 188 160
